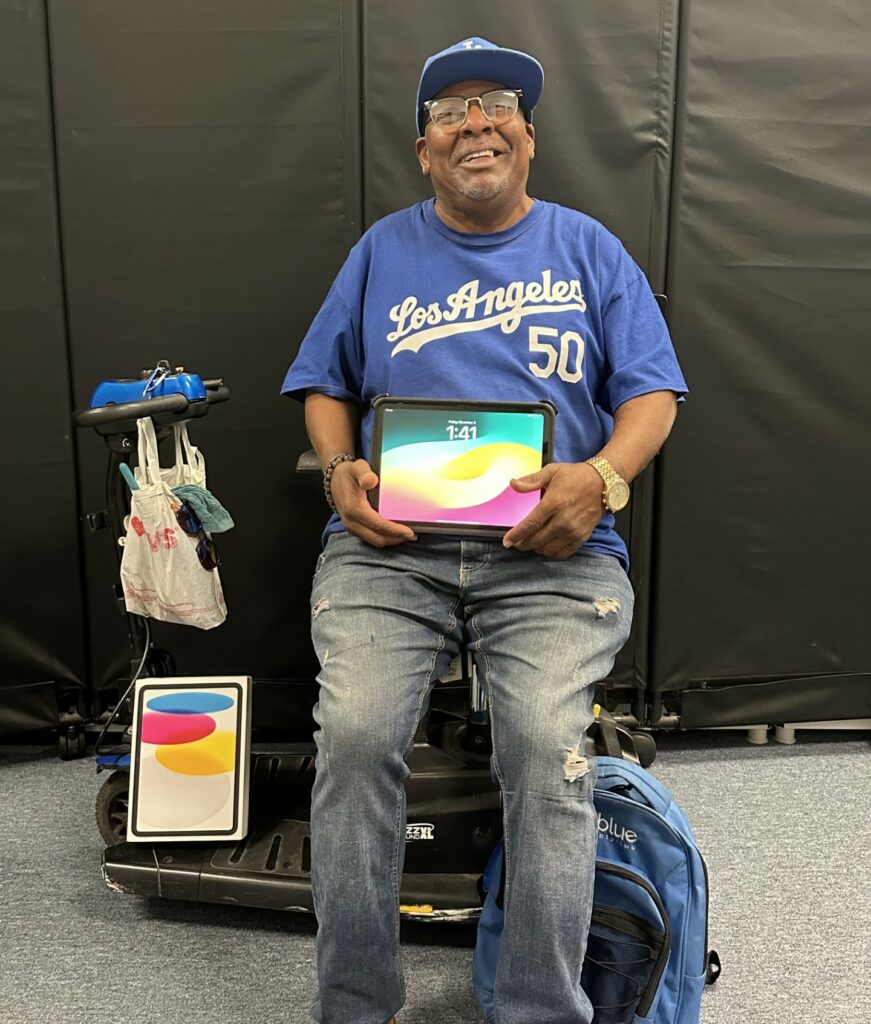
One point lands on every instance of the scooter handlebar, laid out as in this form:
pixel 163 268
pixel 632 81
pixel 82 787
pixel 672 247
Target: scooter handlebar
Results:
pixel 129 410
pixel 216 391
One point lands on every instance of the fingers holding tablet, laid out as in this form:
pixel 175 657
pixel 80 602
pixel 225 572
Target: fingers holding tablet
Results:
pixel 350 485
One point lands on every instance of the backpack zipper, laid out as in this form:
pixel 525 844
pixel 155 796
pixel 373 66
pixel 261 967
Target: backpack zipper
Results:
pixel 646 1000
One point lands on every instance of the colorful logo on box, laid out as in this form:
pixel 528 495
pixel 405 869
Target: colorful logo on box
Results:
pixel 186 737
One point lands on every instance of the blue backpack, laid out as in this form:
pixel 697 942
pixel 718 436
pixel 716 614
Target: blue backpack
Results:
pixel 647 958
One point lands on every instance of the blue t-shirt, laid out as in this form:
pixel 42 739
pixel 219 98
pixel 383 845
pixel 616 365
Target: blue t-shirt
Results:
pixel 552 307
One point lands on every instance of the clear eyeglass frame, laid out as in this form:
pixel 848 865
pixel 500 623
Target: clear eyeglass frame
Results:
pixel 452 105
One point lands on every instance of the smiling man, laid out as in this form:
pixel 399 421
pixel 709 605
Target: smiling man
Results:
pixel 482 293
pixel 480 152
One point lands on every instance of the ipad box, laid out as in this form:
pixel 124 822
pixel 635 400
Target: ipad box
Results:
pixel 189 759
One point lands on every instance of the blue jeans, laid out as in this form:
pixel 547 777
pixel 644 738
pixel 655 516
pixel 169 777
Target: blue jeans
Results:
pixel 385 625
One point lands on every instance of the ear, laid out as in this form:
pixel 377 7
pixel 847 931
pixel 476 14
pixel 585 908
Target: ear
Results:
pixel 422 151
pixel 530 140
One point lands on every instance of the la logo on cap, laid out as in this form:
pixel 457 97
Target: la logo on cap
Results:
pixel 470 44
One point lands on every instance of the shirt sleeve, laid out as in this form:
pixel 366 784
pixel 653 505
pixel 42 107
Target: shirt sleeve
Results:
pixel 639 352
pixel 330 358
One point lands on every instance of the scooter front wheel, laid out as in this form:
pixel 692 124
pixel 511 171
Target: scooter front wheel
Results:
pixel 112 808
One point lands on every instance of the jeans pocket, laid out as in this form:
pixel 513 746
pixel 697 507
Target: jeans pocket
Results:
pixel 622 951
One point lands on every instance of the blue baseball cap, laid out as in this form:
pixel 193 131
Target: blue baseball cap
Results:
pixel 479 59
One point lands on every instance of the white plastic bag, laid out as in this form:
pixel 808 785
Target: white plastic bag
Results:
pixel 189 466
pixel 161 573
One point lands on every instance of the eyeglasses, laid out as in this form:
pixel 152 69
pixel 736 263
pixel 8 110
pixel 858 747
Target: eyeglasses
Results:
pixel 189 521
pixel 450 112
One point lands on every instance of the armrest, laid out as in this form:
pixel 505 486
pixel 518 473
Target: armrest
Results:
pixel 308 462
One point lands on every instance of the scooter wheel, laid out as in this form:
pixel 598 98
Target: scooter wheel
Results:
pixel 111 809
pixel 645 745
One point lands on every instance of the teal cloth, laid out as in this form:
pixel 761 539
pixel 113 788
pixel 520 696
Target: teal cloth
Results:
pixel 210 512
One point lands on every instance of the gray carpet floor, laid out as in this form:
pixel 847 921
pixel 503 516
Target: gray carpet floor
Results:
pixel 786 832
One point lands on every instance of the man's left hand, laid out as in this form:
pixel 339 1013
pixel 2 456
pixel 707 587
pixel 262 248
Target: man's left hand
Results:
pixel 570 507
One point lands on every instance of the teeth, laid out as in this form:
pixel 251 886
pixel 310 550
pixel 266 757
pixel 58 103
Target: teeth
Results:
pixel 482 152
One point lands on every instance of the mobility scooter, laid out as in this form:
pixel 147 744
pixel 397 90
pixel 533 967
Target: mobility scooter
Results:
pixel 454 811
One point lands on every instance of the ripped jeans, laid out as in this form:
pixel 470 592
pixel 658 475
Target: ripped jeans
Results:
pixel 385 625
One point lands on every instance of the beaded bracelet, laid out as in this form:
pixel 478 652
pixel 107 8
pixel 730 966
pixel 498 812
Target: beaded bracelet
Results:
pixel 328 475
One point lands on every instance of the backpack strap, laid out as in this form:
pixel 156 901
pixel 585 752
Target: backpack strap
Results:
pixel 500 892
pixel 713 969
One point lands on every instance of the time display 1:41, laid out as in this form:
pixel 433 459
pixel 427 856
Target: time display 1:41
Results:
pixel 466 432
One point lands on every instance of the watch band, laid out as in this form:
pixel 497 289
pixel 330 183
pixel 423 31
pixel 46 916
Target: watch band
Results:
pixel 605 470
pixel 611 478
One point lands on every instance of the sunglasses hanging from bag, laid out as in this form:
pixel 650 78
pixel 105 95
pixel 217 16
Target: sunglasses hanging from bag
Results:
pixel 188 520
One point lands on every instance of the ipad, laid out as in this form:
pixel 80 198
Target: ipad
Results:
pixel 445 466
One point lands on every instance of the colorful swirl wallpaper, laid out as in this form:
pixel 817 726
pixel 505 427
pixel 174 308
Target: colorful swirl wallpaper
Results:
pixel 437 466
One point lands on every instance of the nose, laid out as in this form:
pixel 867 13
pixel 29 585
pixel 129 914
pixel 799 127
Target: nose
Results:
pixel 475 121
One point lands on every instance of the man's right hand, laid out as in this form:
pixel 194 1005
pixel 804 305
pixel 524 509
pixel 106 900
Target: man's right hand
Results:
pixel 349 486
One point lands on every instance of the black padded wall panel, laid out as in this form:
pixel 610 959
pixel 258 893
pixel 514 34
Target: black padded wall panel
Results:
pixel 604 121
pixel 603 145
pixel 764 551
pixel 41 622
pixel 208 175
pixel 215 163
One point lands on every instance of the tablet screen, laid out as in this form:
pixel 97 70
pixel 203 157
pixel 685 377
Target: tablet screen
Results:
pixel 454 466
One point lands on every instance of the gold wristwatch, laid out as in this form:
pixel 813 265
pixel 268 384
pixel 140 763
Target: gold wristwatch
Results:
pixel 616 492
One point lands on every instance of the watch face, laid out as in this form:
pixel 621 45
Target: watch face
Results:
pixel 618 495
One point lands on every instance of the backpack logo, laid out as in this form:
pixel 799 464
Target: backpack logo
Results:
pixel 419 831
pixel 615 833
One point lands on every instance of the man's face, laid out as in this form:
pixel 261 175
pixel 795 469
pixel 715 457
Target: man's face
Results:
pixel 480 161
